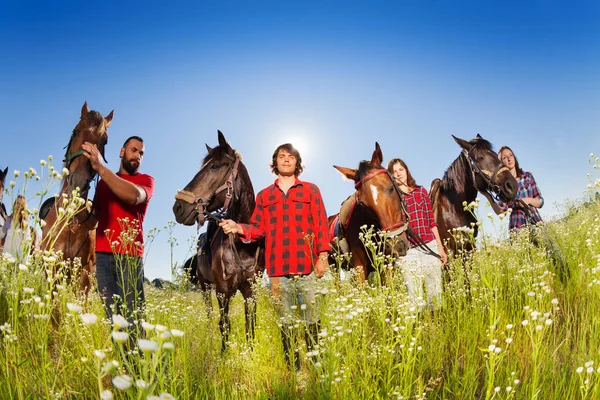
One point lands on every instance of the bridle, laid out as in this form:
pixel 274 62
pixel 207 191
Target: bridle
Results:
pixel 70 157
pixel 201 204
pixel 394 229
pixel 487 176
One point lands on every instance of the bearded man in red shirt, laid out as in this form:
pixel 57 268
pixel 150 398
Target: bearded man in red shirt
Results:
pixel 290 216
pixel 120 205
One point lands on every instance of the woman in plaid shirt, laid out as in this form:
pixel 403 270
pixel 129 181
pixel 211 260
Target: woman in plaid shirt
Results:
pixel 528 193
pixel 419 264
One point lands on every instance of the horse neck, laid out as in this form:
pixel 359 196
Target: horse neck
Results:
pixel 243 204
pixel 458 183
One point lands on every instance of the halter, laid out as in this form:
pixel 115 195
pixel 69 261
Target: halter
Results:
pixel 488 177
pixel 398 227
pixel 201 204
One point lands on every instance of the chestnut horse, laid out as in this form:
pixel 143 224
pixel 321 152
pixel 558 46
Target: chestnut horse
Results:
pixel 377 201
pixel 222 189
pixel 70 235
pixel 476 169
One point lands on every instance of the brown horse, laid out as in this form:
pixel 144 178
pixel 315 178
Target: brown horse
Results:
pixel 476 169
pixel 71 236
pixel 222 189
pixel 377 201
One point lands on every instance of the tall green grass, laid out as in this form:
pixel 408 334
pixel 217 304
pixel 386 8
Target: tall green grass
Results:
pixel 520 332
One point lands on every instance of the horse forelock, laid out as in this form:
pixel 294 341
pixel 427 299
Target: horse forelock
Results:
pixel 364 168
pixel 482 144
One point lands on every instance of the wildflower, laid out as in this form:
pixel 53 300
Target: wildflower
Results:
pixel 147 326
pixel 142 384
pixel 120 337
pixel 168 346
pixel 12 184
pixel 43 163
pixel 106 395
pixel 554 301
pixel 579 370
pixel 548 321
pixel 508 389
pixel 590 370
pixel 89 318
pixel 497 389
pixel 23 267
pixel 524 322
pixel 28 290
pixel 99 354
pixel 120 321
pixel 65 172
pixel 166 396
pixel 122 382
pixel 509 340
pixel 509 327
pixel 160 328
pixel 177 333
pixel 74 308
pixel 147 346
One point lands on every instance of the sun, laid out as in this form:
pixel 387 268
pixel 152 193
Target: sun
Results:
pixel 299 138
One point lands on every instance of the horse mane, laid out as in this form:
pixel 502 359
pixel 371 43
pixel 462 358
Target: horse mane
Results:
pixel 455 176
pixel 93 118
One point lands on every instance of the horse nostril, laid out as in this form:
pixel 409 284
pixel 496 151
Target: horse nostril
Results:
pixel 509 187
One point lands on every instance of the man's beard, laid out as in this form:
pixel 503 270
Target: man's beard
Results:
pixel 129 167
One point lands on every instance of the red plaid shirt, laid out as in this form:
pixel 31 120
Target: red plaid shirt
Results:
pixel 294 226
pixel 419 210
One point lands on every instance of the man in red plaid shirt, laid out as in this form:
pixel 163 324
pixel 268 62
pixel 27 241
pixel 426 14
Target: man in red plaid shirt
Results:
pixel 291 216
pixel 419 264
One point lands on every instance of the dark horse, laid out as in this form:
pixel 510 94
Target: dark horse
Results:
pixel 476 169
pixel 71 235
pixel 222 189
pixel 3 213
pixel 378 202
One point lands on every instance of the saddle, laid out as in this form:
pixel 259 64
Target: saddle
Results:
pixel 339 226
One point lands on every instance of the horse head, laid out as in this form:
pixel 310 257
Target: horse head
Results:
pixel 221 182
pixel 488 173
pixel 377 191
pixel 2 179
pixel 92 128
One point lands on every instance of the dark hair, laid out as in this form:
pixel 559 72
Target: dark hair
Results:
pixel 517 167
pixel 133 138
pixel 409 178
pixel 292 150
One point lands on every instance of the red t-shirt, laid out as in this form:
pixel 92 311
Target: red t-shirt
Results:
pixel 123 221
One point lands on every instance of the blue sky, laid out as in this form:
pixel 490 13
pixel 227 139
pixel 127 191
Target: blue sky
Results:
pixel 331 77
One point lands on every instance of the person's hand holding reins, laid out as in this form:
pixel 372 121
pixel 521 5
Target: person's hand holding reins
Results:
pixel 93 154
pixel 322 264
pixel 230 226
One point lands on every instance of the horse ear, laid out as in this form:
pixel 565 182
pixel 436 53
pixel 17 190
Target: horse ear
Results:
pixel 479 136
pixel 109 118
pixel 347 172
pixel 462 143
pixel 4 174
pixel 377 157
pixel 208 148
pixel 84 110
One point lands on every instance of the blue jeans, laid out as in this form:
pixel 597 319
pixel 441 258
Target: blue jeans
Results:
pixel 121 284
pixel 295 298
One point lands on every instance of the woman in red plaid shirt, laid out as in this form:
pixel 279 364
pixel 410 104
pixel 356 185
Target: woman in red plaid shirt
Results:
pixel 290 215
pixel 419 265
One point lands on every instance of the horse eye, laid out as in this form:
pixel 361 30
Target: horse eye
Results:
pixel 214 166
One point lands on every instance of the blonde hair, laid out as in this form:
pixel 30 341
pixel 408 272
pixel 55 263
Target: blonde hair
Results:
pixel 19 212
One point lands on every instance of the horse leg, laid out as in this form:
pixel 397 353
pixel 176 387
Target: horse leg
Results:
pixel 250 312
pixel 224 319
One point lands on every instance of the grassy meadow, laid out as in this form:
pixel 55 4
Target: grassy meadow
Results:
pixel 514 323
